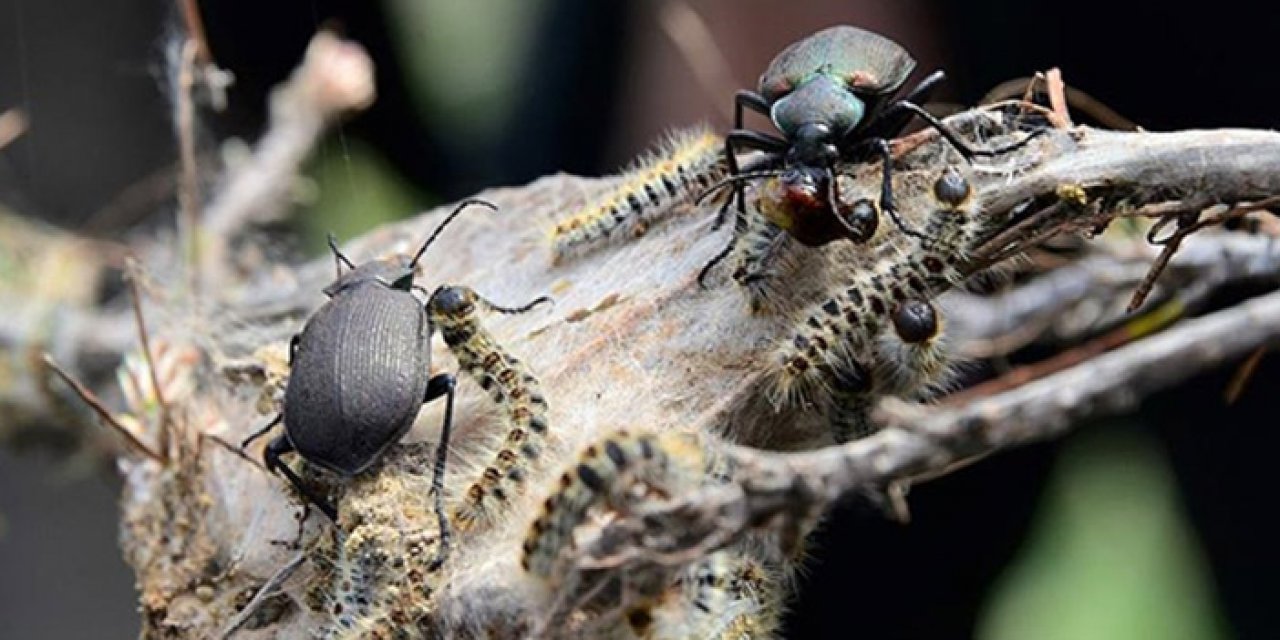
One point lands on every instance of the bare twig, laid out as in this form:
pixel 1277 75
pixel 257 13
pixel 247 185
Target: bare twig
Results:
pixel 195 31
pixel 13 123
pixel 988 326
pixel 1076 99
pixel 1135 330
pixel 1235 165
pixel 1059 117
pixel 336 77
pixel 1240 380
pixel 91 399
pixel 1186 227
pixel 132 273
pixel 188 175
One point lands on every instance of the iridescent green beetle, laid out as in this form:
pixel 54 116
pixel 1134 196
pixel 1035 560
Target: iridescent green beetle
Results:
pixel 832 97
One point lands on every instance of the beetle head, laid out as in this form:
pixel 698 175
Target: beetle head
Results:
pixel 803 200
pixel 395 273
pixel 813 145
pixel 793 195
pixel 453 301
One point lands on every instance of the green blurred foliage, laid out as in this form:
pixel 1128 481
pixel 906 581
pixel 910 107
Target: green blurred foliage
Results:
pixel 463 58
pixel 462 62
pixel 355 190
pixel 1111 556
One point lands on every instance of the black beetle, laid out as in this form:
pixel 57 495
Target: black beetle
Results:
pixel 831 96
pixel 359 372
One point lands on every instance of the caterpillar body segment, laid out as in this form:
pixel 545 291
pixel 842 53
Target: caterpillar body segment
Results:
pixel 687 164
pixel 607 474
pixel 832 348
pixel 881 333
pixel 382 570
pixel 728 595
pixel 512 386
pixel 911 370
pixel 850 416
pixel 918 364
pixel 759 250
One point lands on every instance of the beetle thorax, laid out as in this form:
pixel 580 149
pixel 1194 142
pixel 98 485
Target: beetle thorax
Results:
pixel 816 117
pixel 391 272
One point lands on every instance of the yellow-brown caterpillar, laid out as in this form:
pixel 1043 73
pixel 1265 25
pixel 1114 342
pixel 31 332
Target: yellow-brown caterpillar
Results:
pixel 686 164
pixel 512 386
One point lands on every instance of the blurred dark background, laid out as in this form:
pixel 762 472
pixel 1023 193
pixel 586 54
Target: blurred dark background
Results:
pixel 1155 527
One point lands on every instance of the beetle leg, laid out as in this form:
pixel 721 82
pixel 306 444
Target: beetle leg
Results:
pixel 755 102
pixel 762 242
pixel 966 150
pixel 752 140
pixel 750 100
pixel 924 89
pixel 731 159
pixel 271 457
pixel 886 189
pixel 893 119
pixel 724 253
pixel 748 139
pixel 261 432
pixel 756 167
pixel 741 220
pixel 441 385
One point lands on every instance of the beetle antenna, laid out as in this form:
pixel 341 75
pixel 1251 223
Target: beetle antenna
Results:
pixel 338 258
pixel 434 234
pixel 263 431
pixel 733 180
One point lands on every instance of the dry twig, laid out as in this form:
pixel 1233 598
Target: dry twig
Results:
pixel 334 79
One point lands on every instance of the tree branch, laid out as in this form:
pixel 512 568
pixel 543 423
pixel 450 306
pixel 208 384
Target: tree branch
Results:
pixel 775 490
